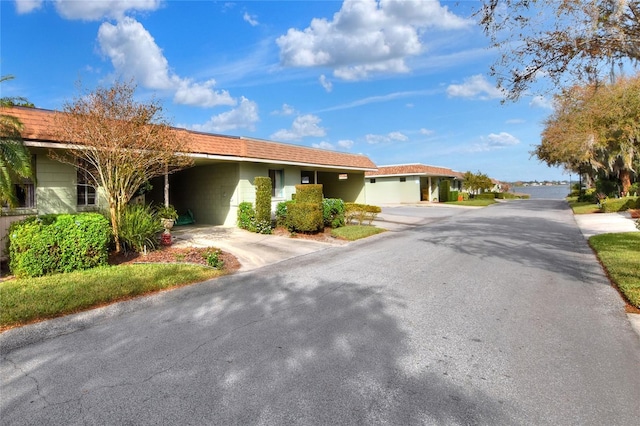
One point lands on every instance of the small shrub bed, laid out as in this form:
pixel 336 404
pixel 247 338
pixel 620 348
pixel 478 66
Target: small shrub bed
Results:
pixel 612 205
pixel 333 212
pixel 58 243
pixel 360 213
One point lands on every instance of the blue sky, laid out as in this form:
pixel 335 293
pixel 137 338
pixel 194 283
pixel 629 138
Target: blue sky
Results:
pixel 401 82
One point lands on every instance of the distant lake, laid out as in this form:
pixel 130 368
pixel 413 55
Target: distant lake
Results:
pixel 555 192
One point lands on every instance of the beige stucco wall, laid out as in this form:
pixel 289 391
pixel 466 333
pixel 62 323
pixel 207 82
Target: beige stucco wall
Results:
pixel 351 190
pixel 209 191
pixel 389 190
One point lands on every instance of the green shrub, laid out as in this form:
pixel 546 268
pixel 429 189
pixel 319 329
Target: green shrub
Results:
pixel 282 213
pixel 333 212
pixel 453 195
pixel 60 243
pixel 309 193
pixel 263 198
pixel 304 217
pixel 465 196
pixel 246 216
pixel 612 205
pixel 486 196
pixel 443 193
pixel 213 259
pixel 139 227
pixel 634 190
pixel 361 213
pixel 166 212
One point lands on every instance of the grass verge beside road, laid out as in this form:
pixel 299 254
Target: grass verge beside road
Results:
pixel 355 232
pixel 621 258
pixel 472 203
pixel 27 300
pixel 582 207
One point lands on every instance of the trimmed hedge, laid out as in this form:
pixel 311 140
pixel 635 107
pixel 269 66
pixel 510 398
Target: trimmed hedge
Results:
pixel 309 193
pixel 304 217
pixel 612 205
pixel 361 213
pixel 58 243
pixel 263 199
pixel 443 193
pixel 486 196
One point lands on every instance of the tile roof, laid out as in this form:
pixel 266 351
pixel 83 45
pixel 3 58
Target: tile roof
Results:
pixel 413 169
pixel 39 126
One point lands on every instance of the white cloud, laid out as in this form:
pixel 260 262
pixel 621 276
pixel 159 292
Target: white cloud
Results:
pixel 515 121
pixel 495 141
pixel 285 110
pixel 323 145
pixel 328 86
pixel 366 37
pixel 244 116
pixel 345 143
pixel 501 139
pixel 134 54
pixel 426 132
pixel 303 126
pixel 27 6
pixel 93 10
pixel 389 137
pixel 475 87
pixel 251 19
pixel 541 102
pixel 201 94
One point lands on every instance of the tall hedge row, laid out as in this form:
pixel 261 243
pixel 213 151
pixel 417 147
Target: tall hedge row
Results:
pixel 58 243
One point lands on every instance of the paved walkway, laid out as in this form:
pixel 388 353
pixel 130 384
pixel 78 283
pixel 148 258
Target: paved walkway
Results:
pixel 605 223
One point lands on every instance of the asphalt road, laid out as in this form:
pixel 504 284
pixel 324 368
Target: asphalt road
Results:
pixel 494 316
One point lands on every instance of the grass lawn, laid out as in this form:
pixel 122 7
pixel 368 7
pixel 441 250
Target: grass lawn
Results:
pixel 620 255
pixel 355 232
pixel 32 299
pixel 473 203
pixel 583 207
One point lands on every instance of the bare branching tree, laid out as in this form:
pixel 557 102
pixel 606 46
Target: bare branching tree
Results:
pixel 119 143
pixel 563 40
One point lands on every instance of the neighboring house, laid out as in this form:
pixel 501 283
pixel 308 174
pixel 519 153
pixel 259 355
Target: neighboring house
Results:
pixel 221 178
pixel 408 183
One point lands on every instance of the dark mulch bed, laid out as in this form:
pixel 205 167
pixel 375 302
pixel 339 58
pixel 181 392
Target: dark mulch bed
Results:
pixel 169 254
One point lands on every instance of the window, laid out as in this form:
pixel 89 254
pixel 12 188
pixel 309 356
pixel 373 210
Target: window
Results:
pixel 25 190
pixel 372 180
pixel 403 179
pixel 26 194
pixel 86 192
pixel 277 183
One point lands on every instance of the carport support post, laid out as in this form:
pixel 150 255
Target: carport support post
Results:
pixel 166 185
pixel 429 189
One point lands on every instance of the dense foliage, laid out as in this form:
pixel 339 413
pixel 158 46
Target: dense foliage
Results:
pixel 139 227
pixel 246 216
pixel 333 212
pixel 595 130
pixel 58 243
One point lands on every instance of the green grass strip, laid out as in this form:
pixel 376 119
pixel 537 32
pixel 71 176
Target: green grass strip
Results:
pixel 620 255
pixel 355 232
pixel 31 299
pixel 584 207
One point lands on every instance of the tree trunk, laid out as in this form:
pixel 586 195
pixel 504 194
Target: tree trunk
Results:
pixel 114 226
pixel 625 180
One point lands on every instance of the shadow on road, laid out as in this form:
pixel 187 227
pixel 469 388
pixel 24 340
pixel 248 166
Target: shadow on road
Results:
pixel 252 348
